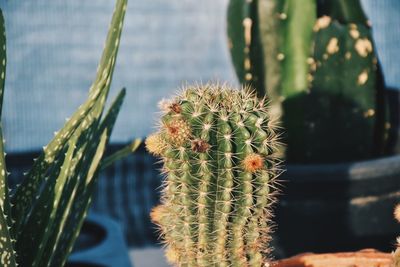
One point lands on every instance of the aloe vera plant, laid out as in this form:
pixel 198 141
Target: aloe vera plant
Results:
pixel 321 74
pixel 41 219
pixel 218 148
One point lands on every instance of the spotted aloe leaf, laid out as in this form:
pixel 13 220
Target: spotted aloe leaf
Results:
pixel 49 206
pixel 7 252
pixel 82 189
pixel 91 110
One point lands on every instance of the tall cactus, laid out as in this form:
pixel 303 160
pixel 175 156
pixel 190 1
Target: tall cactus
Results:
pixel 218 146
pixel 321 74
pixel 270 42
pixel 344 77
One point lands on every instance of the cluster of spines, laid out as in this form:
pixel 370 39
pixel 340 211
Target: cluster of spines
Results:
pixel 218 189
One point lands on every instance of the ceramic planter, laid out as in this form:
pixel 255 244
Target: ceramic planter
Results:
pixel 100 244
pixel 339 207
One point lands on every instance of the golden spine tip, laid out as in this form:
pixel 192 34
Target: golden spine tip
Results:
pixel 155 144
pixel 397 213
pixel 157 213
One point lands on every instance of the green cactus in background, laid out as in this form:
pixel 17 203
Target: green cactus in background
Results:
pixel 41 219
pixel 218 147
pixel 341 98
pixel 320 74
pixel 270 43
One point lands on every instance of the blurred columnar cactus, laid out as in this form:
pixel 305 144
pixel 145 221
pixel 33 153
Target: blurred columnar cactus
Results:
pixel 41 219
pixel 321 74
pixel 218 147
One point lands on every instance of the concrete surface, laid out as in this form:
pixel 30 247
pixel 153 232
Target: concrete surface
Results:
pixel 148 257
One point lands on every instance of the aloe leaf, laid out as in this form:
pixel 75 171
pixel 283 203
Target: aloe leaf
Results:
pixel 24 195
pixel 125 151
pixel 112 43
pixel 7 254
pixel 82 193
pixel 53 191
pixel 38 226
pixel 3 58
pixel 82 139
pixel 22 199
pixel 64 211
pixel 71 222
pixel 4 194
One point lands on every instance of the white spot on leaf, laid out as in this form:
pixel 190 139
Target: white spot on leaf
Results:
pixel 322 23
pixel 363 47
pixel 362 78
pixel 333 46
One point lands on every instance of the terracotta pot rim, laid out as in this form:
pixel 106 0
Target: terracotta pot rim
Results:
pixel 362 258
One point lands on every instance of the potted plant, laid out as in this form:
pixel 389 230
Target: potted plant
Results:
pixel 218 147
pixel 321 74
pixel 41 219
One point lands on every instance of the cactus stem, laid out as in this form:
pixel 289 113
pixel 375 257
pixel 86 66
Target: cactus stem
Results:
pixel 215 179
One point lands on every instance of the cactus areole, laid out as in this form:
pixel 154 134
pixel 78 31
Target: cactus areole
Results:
pixel 218 147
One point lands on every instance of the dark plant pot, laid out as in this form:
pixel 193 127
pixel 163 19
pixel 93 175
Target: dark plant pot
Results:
pixel 338 207
pixel 100 244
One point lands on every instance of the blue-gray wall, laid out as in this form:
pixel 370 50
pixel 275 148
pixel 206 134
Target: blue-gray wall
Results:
pixel 385 18
pixel 54 47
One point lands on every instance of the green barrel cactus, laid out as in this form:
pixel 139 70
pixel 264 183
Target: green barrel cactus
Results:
pixel 321 74
pixel 218 147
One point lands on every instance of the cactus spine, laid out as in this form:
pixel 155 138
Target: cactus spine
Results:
pixel 219 176
pixel 320 74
